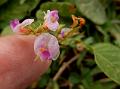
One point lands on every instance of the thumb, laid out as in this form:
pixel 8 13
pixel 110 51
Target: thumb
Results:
pixel 17 66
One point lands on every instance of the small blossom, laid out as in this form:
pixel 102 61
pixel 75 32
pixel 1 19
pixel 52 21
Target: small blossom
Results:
pixel 46 47
pixel 65 31
pixel 51 20
pixel 16 26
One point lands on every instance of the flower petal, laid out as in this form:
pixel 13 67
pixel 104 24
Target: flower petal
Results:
pixel 54 13
pixel 65 30
pixel 41 41
pixel 51 20
pixel 14 23
pixel 53 26
pixel 16 26
pixel 48 42
pixel 27 22
pixel 45 55
pixel 53 48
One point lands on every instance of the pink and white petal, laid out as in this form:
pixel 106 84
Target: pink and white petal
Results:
pixel 14 23
pixel 53 47
pixel 41 42
pixel 56 56
pixel 54 13
pixel 45 55
pixel 17 28
pixel 65 30
pixel 53 26
pixel 49 42
pixel 27 22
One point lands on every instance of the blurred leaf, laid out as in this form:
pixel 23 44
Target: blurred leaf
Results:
pixel 53 85
pixel 95 71
pixel 92 9
pixel 89 83
pixel 107 57
pixel 79 60
pixel 74 78
pixel 115 31
pixel 22 1
pixel 40 15
pixel 13 9
pixel 7 31
pixel 65 9
pixel 54 0
pixel 2 2
pixel 108 85
pixel 36 24
pixel 105 3
pixel 89 40
pixel 89 62
pixel 97 85
pixel 43 81
pixel 72 40
pixel 104 33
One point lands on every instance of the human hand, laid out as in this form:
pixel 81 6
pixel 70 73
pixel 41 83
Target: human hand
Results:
pixel 17 66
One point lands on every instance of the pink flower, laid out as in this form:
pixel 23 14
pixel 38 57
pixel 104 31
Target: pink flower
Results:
pixel 65 31
pixel 51 20
pixel 16 26
pixel 46 47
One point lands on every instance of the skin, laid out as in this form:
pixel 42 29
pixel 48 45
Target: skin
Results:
pixel 18 69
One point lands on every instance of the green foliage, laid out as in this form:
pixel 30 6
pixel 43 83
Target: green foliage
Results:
pixel 108 59
pixel 97 43
pixel 65 9
pixel 14 9
pixel 93 10
pixel 2 2
pixel 43 80
pixel 74 78
pixel 6 31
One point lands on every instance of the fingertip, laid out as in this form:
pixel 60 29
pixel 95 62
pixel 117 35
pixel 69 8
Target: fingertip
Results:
pixel 17 55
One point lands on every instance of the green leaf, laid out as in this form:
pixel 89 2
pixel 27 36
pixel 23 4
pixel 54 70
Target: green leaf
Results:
pixel 44 80
pixel 104 33
pixel 74 78
pixel 114 29
pixel 53 85
pixel 22 1
pixel 105 3
pixel 40 15
pixel 92 9
pixel 13 9
pixel 107 57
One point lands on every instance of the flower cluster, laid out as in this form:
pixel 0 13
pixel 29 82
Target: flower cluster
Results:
pixel 46 45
